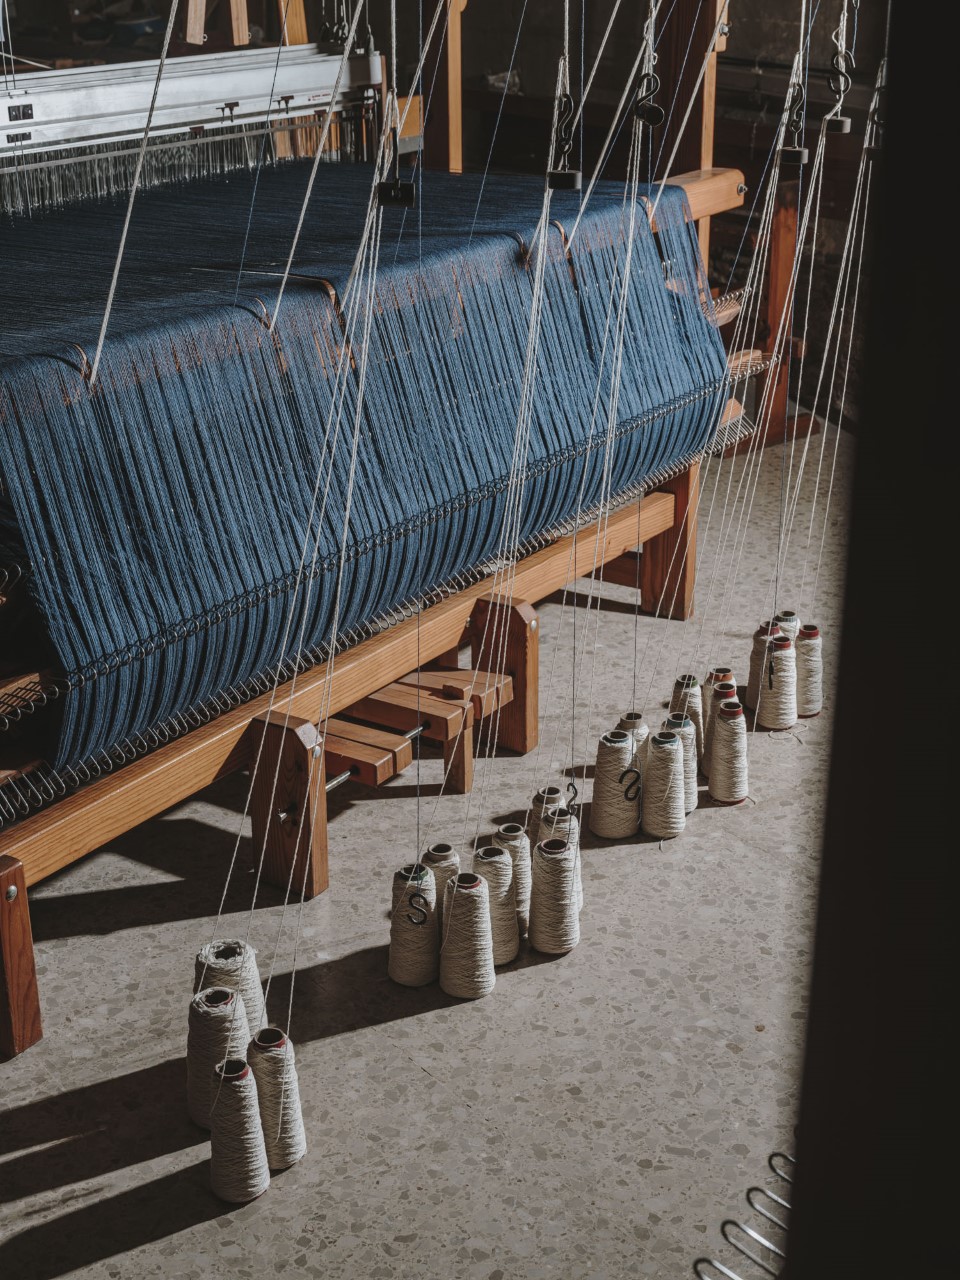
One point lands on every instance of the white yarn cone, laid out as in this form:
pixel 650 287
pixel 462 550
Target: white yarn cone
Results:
pixel 512 837
pixel 687 698
pixel 238 1156
pixel 561 823
pixel 789 623
pixel 680 724
pixel 496 867
pixel 216 1029
pixel 758 653
pixel 728 776
pixel 809 671
pixel 414 937
pixel 546 798
pixel 615 808
pixel 228 962
pixel 722 690
pixel 715 676
pixel 554 915
pixel 466 956
pixel 278 1094
pixel 444 861
pixel 632 722
pixel 777 703
pixel 661 812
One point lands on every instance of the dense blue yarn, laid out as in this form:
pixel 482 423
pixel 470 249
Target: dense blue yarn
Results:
pixel 162 515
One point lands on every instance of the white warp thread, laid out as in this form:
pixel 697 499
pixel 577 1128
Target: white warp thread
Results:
pixel 414 934
pixel 496 867
pixel 554 915
pixel 466 956
pixel 444 861
pixel 757 655
pixel 789 623
pixel 687 697
pixel 238 1156
pixel 228 962
pixel 512 837
pixel 728 776
pixel 216 1029
pixel 683 727
pixel 274 1066
pixel 560 823
pixel 719 690
pixel 662 810
pixel 777 703
pixel 809 673
pixel 614 816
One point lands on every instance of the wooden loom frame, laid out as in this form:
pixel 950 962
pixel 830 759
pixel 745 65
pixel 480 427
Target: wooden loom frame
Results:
pixel 664 522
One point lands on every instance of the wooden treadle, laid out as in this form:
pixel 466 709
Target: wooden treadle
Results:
pixel 486 690
pixel 399 747
pixel 402 707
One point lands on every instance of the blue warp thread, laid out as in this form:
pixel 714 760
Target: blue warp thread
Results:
pixel 161 516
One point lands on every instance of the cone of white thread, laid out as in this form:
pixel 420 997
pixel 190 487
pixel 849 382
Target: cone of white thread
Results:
pixel 680 724
pixel 238 1156
pixel 561 823
pixel 512 837
pixel 789 623
pixel 715 676
pixel 228 962
pixel 271 1057
pixel 466 956
pixel 687 697
pixel 496 867
pixel 216 1029
pixel 444 861
pixel 777 703
pixel 615 808
pixel 764 633
pixel 546 798
pixel 554 915
pixel 414 936
pixel 728 777
pixel 720 690
pixel 662 810
pixel 809 671
pixel 632 722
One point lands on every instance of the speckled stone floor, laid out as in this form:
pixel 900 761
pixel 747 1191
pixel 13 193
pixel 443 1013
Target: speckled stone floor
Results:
pixel 598 1116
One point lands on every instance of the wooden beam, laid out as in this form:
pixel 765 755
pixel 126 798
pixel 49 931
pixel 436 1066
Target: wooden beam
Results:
pixel 709 191
pixel 668 565
pixel 87 819
pixel 295 31
pixel 400 748
pixel 405 708
pixel 373 766
pixel 487 690
pixel 239 22
pixel 443 127
pixel 290 819
pixel 195 21
pixel 20 1025
pixel 507 635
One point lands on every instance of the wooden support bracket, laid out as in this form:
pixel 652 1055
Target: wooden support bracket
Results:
pixel 293 817
pixel 19 1000
pixel 669 561
pixel 505 636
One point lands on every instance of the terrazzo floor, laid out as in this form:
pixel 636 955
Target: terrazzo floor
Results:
pixel 597 1116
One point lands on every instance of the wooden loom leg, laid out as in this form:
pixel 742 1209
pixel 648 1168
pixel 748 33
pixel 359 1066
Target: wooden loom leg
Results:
pixel 19 1001
pixel 519 645
pixel 459 751
pixel 668 565
pixel 301 789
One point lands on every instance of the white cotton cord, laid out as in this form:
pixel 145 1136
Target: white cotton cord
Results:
pixel 728 774
pixel 238 1155
pixel 554 918
pixel 444 861
pixel 763 634
pixel 687 698
pixel 615 808
pixel 561 823
pixel 721 689
pixel 809 671
pixel 662 809
pixel 495 865
pixel 228 962
pixel 789 623
pixel 414 935
pixel 216 1029
pixel 512 837
pixel 680 724
pixel 272 1059
pixel 466 956
pixel 777 703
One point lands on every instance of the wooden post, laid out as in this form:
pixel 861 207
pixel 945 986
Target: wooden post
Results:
pixel 300 789
pixel 458 759
pixel 443 128
pixel 668 565
pixel 19 1001
pixel 506 637
pixel 783 247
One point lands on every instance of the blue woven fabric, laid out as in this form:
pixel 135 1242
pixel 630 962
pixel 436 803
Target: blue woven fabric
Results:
pixel 161 517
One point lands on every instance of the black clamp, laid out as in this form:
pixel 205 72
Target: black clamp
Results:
pixel 644 108
pixel 563 178
pixel 795 154
pixel 393 192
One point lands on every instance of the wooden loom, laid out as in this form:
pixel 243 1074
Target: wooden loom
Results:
pixel 379 681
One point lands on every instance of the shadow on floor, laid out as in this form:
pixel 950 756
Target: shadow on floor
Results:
pixel 606 604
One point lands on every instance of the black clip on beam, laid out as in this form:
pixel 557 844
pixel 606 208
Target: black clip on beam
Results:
pixel 564 179
pixel 401 195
